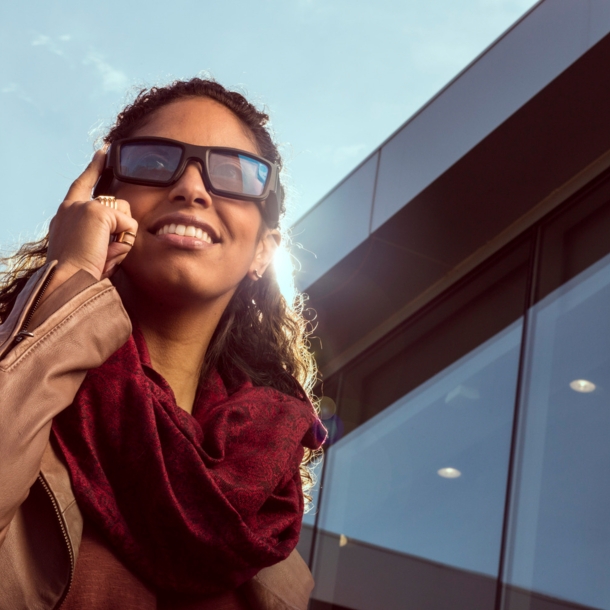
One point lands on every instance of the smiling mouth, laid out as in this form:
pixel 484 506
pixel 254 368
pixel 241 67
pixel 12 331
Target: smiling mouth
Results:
pixel 185 231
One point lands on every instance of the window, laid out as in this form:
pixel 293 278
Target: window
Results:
pixel 413 496
pixel 559 536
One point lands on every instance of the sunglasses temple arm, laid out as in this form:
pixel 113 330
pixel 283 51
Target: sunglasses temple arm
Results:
pixel 102 186
pixel 273 203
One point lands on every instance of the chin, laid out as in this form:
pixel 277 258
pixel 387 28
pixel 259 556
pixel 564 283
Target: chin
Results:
pixel 171 287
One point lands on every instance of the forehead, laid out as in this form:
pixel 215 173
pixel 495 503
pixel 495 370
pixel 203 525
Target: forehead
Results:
pixel 199 121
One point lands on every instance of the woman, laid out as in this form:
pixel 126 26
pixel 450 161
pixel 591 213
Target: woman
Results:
pixel 173 474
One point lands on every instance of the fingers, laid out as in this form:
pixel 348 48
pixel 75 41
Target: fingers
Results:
pixel 81 188
pixel 116 255
pixel 80 235
pixel 112 265
pixel 118 250
pixel 80 232
pixel 121 205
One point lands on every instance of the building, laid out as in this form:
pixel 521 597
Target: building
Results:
pixel 462 288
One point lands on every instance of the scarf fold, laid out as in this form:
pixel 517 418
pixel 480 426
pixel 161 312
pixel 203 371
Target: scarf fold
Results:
pixel 192 503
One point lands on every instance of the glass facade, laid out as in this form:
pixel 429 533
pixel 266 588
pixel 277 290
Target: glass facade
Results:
pixel 468 452
pixel 559 535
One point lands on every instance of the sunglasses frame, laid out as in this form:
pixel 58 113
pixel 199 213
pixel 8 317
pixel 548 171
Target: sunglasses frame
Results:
pixel 272 194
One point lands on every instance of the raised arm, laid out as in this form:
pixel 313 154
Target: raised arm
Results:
pixel 64 322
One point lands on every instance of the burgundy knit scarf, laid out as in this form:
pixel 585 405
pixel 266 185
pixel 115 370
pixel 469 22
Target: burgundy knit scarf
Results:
pixel 193 503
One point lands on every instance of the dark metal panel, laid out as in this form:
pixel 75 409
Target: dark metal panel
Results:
pixel 337 225
pixel 360 577
pixel 542 146
pixel 364 288
pixel 502 80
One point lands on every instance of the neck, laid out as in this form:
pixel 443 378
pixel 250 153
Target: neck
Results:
pixel 177 338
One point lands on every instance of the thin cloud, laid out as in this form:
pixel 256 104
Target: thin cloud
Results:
pixel 17 90
pixel 46 41
pixel 113 79
pixel 40 40
pixel 344 154
pixel 339 156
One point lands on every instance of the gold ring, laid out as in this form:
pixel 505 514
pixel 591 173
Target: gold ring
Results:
pixel 120 238
pixel 108 201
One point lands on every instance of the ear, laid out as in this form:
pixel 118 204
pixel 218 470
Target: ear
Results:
pixel 265 250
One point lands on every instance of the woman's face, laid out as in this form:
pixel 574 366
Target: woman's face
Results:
pixel 186 270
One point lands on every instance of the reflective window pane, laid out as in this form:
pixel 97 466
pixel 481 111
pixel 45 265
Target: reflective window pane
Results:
pixel 413 495
pixel 558 544
pixel 560 534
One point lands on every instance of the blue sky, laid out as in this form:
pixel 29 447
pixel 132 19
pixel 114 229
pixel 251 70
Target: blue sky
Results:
pixel 338 76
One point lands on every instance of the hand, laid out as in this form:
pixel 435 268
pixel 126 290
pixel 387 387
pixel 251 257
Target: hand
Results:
pixel 79 235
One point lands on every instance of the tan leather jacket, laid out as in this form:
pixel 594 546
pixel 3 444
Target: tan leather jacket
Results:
pixel 76 329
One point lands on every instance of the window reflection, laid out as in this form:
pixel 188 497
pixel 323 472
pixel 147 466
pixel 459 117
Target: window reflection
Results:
pixel 425 478
pixel 414 489
pixel 560 534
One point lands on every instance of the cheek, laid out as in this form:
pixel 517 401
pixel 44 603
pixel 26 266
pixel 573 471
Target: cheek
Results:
pixel 246 223
pixel 249 245
pixel 140 201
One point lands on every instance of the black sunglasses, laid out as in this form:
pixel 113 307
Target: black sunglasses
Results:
pixel 226 172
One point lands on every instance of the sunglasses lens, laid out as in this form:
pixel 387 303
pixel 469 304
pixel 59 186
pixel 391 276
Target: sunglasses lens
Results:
pixel 149 161
pixel 237 173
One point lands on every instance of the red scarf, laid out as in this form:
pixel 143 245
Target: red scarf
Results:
pixel 193 503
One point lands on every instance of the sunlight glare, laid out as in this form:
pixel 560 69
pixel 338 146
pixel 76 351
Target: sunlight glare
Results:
pixel 283 262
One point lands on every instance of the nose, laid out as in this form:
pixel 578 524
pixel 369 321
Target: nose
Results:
pixel 190 188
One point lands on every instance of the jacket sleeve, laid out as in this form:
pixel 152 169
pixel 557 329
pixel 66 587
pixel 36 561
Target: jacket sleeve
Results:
pixel 76 329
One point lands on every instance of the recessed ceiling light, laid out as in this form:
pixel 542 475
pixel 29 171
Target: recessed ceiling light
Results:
pixel 582 385
pixel 449 473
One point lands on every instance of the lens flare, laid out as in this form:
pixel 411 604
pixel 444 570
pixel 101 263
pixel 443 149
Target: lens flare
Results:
pixel 284 272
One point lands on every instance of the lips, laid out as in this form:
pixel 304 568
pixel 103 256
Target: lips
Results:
pixel 185 225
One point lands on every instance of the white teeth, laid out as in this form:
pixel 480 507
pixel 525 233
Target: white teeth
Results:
pixel 187 231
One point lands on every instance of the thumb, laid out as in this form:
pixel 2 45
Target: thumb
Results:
pixel 81 188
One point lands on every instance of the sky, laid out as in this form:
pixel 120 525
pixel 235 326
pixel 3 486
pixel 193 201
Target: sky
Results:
pixel 337 76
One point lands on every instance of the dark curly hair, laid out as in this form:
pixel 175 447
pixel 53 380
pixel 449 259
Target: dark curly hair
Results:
pixel 259 334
